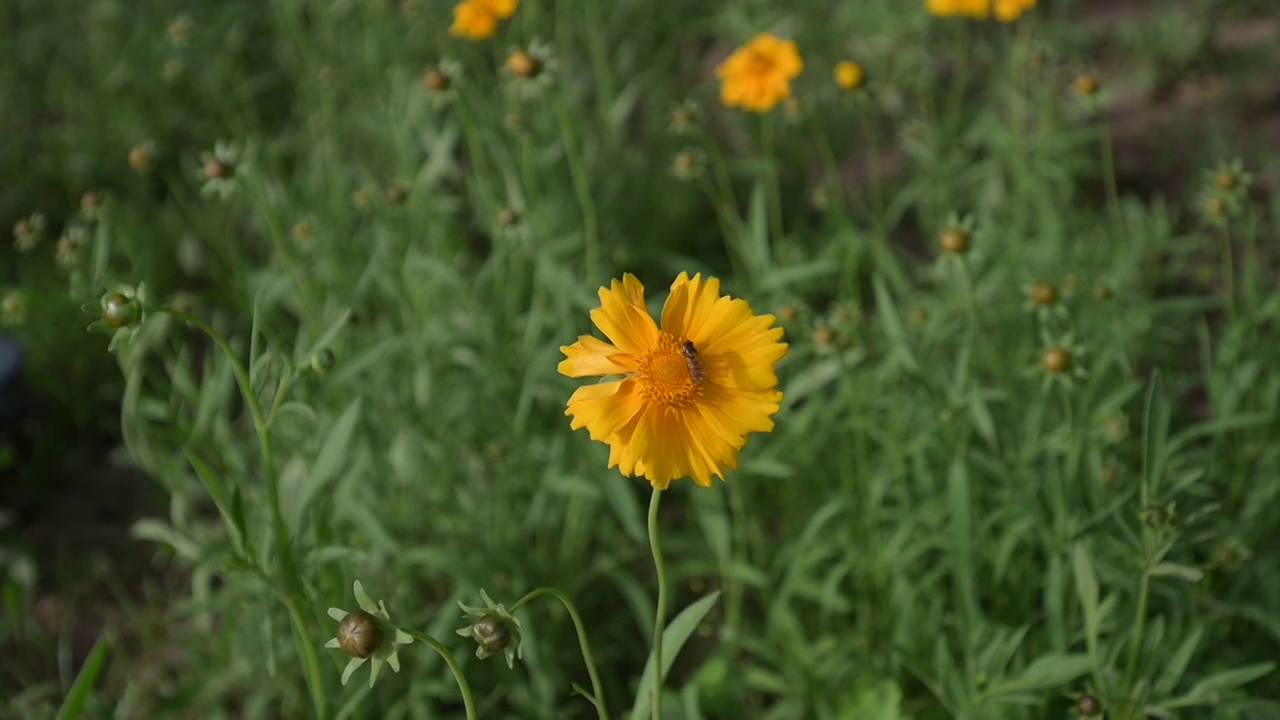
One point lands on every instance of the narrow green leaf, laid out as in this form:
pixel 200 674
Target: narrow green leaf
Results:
pixel 1178 662
pixel 891 322
pixel 328 336
pixel 1220 682
pixel 1087 591
pixel 331 460
pixel 1045 673
pixel 678 632
pixel 1182 572
pixel 73 704
pixel 1155 432
pixel 213 486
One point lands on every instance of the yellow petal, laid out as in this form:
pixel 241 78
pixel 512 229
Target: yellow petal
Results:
pixel 593 356
pixel 604 408
pixel 623 317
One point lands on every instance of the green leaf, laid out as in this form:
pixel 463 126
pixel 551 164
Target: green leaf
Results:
pixel 1155 433
pixel 1182 572
pixel 327 337
pixel 212 485
pixel 1045 673
pixel 678 632
pixel 1087 591
pixel 1178 662
pixel 73 704
pixel 1220 682
pixel 331 460
pixel 891 322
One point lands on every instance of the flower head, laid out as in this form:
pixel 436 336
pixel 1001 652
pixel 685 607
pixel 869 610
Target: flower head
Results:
pixel 691 390
pixel 848 75
pixel 758 75
pixel 363 634
pixel 478 19
pixel 494 629
pixel 1005 10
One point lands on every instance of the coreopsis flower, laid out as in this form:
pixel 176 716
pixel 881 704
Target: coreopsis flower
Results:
pixel 689 391
pixel 478 19
pixel 848 75
pixel 966 8
pixel 758 75
pixel 367 634
pixel 1007 11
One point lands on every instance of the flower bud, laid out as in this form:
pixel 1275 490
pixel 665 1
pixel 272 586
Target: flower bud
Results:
pixel 494 630
pixel 1088 706
pixel 1043 294
pixel 119 310
pixel 522 64
pixel 954 240
pixel 491 634
pixel 359 634
pixel 1056 360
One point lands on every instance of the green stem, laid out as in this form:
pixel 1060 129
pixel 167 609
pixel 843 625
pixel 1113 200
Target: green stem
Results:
pixel 971 310
pixel 1109 177
pixel 467 701
pixel 577 172
pixel 293 587
pixel 596 687
pixel 767 143
pixel 1229 271
pixel 660 615
pixel 1139 629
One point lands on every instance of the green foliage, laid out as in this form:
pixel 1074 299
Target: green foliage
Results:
pixel 982 499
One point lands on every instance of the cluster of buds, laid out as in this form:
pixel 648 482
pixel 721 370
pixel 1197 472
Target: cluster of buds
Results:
pixel 368 635
pixel 1223 192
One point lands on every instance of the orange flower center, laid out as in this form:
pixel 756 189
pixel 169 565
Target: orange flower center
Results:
pixel 664 373
pixel 760 64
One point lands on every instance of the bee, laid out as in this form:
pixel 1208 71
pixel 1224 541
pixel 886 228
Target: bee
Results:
pixel 697 371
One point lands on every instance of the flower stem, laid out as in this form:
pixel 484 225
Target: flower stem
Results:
pixel 596 687
pixel 577 171
pixel 660 615
pixel 767 146
pixel 468 702
pixel 293 589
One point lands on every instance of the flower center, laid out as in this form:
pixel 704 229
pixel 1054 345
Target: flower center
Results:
pixel 664 373
pixel 760 64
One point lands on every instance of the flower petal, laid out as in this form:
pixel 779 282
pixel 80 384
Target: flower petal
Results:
pixel 337 613
pixel 623 317
pixel 593 356
pixel 605 407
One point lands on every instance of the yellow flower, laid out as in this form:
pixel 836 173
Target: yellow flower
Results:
pixel 758 75
pixel 690 391
pixel 1009 10
pixel 1005 10
pixel 478 19
pixel 969 8
pixel 848 75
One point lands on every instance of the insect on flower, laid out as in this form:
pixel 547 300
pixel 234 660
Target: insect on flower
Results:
pixel 697 371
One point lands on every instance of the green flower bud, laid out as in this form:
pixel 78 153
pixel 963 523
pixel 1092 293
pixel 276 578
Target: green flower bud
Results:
pixel 359 634
pixel 494 630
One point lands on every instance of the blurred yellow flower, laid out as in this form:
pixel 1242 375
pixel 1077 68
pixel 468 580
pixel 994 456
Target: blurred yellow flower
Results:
pixel 969 8
pixel 478 19
pixel 1009 10
pixel 758 75
pixel 690 392
pixel 848 75
pixel 1005 10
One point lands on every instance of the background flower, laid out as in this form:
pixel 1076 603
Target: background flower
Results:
pixel 758 75
pixel 478 19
